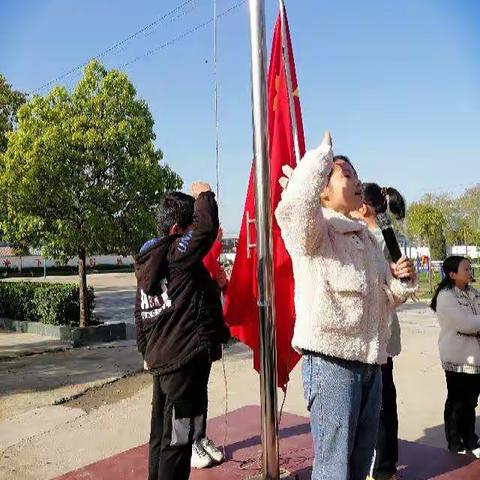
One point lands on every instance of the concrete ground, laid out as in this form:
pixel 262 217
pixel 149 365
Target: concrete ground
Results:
pixel 62 410
pixel 13 344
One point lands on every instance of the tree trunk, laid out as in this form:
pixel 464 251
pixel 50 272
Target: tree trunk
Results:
pixel 82 273
pixel 430 288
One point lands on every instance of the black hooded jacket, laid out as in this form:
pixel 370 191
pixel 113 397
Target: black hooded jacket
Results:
pixel 178 312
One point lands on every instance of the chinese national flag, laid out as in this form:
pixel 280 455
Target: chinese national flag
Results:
pixel 241 311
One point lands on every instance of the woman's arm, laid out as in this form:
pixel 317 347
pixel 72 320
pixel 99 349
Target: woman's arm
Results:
pixel 299 212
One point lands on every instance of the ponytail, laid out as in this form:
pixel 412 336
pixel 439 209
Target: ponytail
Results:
pixel 395 201
pixel 375 197
pixel 381 198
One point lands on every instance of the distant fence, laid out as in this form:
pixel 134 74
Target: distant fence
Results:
pixel 37 261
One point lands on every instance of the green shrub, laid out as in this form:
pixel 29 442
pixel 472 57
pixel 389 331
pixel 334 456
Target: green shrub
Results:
pixel 52 303
pixel 60 270
pixel 16 301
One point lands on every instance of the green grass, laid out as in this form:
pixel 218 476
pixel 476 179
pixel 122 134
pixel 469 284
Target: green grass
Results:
pixel 424 291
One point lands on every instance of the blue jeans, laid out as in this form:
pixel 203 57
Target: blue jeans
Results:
pixel 344 399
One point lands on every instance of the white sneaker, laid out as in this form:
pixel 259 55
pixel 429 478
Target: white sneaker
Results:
pixel 475 452
pixel 200 458
pixel 215 453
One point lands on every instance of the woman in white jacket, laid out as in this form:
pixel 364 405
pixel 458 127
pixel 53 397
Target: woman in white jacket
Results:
pixel 344 292
pixel 457 306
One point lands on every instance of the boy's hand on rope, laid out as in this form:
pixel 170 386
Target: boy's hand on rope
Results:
pixel 198 188
pixel 222 279
pixel 403 269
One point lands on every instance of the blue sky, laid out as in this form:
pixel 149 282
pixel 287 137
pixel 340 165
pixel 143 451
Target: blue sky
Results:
pixel 398 83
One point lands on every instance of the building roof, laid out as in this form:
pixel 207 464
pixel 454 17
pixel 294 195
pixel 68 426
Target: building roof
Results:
pixel 7 252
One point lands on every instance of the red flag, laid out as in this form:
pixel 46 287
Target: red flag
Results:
pixel 210 261
pixel 241 311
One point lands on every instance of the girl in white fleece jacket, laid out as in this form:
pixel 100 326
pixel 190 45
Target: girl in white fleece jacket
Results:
pixel 344 291
pixel 457 305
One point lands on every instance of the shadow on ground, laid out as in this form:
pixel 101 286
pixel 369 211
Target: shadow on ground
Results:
pixel 59 369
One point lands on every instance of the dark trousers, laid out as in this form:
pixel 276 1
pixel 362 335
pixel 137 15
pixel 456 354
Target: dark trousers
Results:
pixel 463 390
pixel 386 451
pixel 179 407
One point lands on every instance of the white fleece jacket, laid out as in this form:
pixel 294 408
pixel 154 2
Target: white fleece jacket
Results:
pixel 344 290
pixel 459 316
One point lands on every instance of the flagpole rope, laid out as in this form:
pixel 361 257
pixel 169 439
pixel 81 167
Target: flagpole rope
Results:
pixel 215 80
pixel 217 181
pixel 283 404
pixel 225 413
pixel 284 394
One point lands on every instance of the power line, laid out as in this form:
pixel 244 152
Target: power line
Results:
pixel 115 46
pixel 181 36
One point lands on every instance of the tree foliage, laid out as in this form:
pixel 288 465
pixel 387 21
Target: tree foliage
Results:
pixel 81 174
pixel 426 222
pixel 10 102
pixel 438 220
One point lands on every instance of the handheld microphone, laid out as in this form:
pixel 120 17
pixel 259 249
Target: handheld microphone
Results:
pixel 385 224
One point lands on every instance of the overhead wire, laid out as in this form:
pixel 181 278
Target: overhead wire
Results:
pixel 114 46
pixel 182 35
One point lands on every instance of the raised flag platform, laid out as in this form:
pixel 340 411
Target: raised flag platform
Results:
pixel 417 461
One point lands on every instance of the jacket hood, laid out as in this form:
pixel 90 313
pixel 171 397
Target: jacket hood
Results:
pixel 151 264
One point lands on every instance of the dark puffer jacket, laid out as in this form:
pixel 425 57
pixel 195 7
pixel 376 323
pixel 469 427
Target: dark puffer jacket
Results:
pixel 178 312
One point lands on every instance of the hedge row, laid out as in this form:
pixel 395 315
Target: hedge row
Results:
pixel 51 303
pixel 60 270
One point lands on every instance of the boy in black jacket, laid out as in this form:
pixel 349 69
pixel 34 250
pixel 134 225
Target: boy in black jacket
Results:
pixel 178 318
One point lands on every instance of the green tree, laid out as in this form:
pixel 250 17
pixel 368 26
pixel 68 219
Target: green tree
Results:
pixel 81 175
pixel 468 204
pixel 10 102
pixel 426 222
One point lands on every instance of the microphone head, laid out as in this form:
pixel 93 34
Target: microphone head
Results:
pixel 383 221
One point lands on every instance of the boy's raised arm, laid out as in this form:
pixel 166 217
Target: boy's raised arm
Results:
pixel 198 241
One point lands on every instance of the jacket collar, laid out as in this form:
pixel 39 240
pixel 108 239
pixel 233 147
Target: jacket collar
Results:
pixel 341 223
pixel 469 292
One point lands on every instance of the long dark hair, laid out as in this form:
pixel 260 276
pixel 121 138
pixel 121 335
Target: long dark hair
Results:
pixel 381 198
pixel 450 265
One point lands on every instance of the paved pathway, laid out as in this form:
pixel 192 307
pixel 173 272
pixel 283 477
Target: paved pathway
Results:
pixel 41 438
pixel 416 462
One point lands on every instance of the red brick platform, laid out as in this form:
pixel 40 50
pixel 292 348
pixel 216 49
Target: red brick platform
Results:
pixel 417 461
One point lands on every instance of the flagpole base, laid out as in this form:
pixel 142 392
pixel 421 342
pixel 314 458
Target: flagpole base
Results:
pixel 284 475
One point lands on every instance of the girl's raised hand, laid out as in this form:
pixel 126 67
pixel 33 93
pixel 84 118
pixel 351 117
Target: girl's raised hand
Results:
pixel 288 170
pixel 327 138
pixel 283 181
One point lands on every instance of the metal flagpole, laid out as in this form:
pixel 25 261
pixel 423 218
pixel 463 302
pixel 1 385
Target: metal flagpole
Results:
pixel 288 77
pixel 268 372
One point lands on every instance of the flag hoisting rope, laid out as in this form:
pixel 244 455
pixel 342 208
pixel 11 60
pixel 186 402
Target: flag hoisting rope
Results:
pixel 215 79
pixel 288 77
